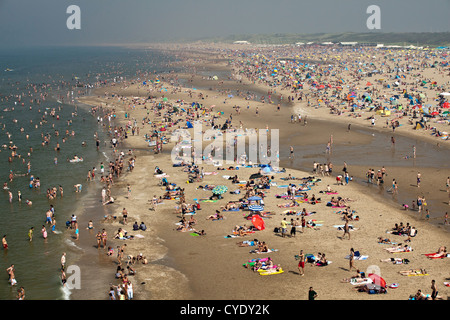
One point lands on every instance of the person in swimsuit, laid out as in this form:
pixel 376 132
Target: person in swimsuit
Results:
pixel 4 242
pixel 301 263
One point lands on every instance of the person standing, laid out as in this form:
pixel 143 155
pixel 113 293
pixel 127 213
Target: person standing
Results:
pixel 99 239
pixel 283 227
pixel 129 288
pixel 104 237
pixel 434 291
pixel 21 294
pixel 312 295
pixel 419 176
pixel 125 216
pixel 293 228
pixel 394 187
pixel 30 233
pixel 352 259
pixel 12 277
pixel 44 232
pixel 63 261
pixel 4 242
pixel 301 263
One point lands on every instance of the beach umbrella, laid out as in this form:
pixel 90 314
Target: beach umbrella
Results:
pixel 445 94
pixel 258 222
pixel 256 207
pixel 376 279
pixel 220 189
pixel 446 105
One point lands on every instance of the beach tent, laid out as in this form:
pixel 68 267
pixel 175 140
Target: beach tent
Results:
pixel 267 170
pixel 189 124
pixel 419 125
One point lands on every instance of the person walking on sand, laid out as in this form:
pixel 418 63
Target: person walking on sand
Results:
pixel 346 230
pixel 291 150
pixel 419 176
pixel 394 187
pixel 129 191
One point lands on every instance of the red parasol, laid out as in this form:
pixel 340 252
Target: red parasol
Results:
pixel 377 280
pixel 258 222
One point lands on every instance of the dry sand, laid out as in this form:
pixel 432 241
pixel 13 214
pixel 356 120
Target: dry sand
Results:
pixel 182 266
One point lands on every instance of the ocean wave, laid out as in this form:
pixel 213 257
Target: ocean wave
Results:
pixel 72 244
pixel 66 292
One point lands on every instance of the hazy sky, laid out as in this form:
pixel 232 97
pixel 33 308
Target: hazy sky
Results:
pixel 129 21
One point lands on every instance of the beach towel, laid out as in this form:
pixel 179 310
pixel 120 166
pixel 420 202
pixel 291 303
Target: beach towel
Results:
pixel 271 272
pixel 354 281
pixel 417 273
pixel 432 255
pixel 361 257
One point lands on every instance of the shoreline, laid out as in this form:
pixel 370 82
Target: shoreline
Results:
pixel 177 251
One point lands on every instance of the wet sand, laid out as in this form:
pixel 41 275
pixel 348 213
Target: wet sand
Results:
pixel 210 267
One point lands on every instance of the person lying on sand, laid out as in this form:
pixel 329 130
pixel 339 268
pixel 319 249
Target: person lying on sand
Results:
pixel 216 216
pixel 384 240
pixel 413 272
pixel 396 260
pixel 358 277
pixel 399 248
pixel 442 252
pixel 230 205
pixel 248 243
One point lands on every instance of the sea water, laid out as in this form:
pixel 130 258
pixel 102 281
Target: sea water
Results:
pixel 33 82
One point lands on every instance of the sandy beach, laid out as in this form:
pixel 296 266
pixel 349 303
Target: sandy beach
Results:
pixel 185 266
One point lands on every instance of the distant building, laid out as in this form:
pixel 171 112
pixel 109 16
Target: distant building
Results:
pixel 241 42
pixel 368 44
pixel 348 44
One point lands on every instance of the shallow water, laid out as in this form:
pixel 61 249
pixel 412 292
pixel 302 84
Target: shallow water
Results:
pixel 52 73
